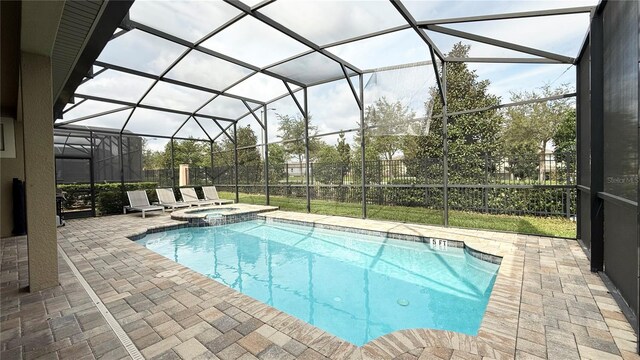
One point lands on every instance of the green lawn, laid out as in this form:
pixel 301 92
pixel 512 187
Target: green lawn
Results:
pixel 550 226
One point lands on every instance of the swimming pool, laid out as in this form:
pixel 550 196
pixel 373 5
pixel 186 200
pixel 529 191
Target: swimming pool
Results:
pixel 357 287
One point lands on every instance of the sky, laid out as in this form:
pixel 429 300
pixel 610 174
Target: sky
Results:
pixel 332 106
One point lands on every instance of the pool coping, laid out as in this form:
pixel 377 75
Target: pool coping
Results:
pixel 497 333
pixel 494 259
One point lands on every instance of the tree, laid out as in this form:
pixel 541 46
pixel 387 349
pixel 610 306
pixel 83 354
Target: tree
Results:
pixel 151 159
pixel 327 168
pixel 522 160
pixel 247 138
pixel 277 159
pixel 344 150
pixel 469 135
pixel 536 123
pixel 565 141
pixel 249 159
pixel 291 130
pixel 193 152
pixel 344 156
pixel 388 121
pixel 565 136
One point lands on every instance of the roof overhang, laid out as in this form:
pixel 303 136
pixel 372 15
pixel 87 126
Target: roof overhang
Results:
pixel 84 30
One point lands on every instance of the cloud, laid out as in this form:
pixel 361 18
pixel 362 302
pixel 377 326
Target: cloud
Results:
pixel 310 68
pixel 87 108
pixel 424 10
pixel 141 51
pixel 176 97
pixel 325 22
pixel 190 20
pixel 507 78
pixel 333 107
pixel 116 85
pixel 260 87
pixel 114 120
pixel 152 122
pixel 208 71
pixel 156 144
pixel 226 107
pixel 562 34
pixel 254 42
pixel 401 47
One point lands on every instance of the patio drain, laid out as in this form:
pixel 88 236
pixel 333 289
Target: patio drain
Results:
pixel 113 323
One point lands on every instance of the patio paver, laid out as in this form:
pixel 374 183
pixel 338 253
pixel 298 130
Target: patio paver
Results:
pixel 545 304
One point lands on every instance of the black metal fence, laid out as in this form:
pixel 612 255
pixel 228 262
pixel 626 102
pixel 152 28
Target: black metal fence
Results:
pixel 198 176
pixel 522 184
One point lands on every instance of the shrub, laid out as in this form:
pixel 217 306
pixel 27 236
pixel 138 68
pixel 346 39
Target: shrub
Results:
pixel 109 197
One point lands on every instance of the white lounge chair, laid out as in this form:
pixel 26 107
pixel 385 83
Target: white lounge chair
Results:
pixel 138 201
pixel 167 198
pixel 211 194
pixel 189 196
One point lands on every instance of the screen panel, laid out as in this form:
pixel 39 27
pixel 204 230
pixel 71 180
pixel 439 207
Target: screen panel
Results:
pixel 190 20
pixel 621 145
pixel 208 71
pixel 153 54
pixel 240 41
pixel 400 47
pixel 116 85
pixel 325 22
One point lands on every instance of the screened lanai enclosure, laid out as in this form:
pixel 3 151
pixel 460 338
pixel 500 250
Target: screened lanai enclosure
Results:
pixel 472 114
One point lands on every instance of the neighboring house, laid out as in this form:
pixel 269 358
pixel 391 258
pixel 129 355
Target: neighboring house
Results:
pixel 296 169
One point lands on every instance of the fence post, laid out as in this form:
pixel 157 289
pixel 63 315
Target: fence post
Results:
pixel 485 189
pixel 286 188
pixel 425 182
pixel 445 147
pixel 568 189
pixel 235 160
pixel 363 173
pixel 380 177
pixel 211 158
pixel 173 170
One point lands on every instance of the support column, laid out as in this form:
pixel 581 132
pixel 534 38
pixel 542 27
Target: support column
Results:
pixel 211 155
pixel 39 168
pixel 235 160
pixel 597 143
pixel 638 210
pixel 362 149
pixel 445 147
pixel 92 179
pixel 121 157
pixel 306 147
pixel 173 166
pixel 266 154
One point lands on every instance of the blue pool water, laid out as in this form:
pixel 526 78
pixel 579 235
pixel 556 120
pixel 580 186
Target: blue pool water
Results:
pixel 356 287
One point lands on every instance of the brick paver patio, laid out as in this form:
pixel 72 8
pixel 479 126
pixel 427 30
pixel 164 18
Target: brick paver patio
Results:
pixel 545 304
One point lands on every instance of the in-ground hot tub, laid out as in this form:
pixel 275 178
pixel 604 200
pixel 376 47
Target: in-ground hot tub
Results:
pixel 212 212
pixel 220 214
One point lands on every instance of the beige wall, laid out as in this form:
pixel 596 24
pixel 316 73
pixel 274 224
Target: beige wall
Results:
pixel 39 170
pixel 10 168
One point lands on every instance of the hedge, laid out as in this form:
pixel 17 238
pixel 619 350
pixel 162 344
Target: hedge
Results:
pixel 539 201
pixel 109 197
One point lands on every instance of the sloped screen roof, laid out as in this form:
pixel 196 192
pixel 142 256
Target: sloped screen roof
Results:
pixel 176 64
